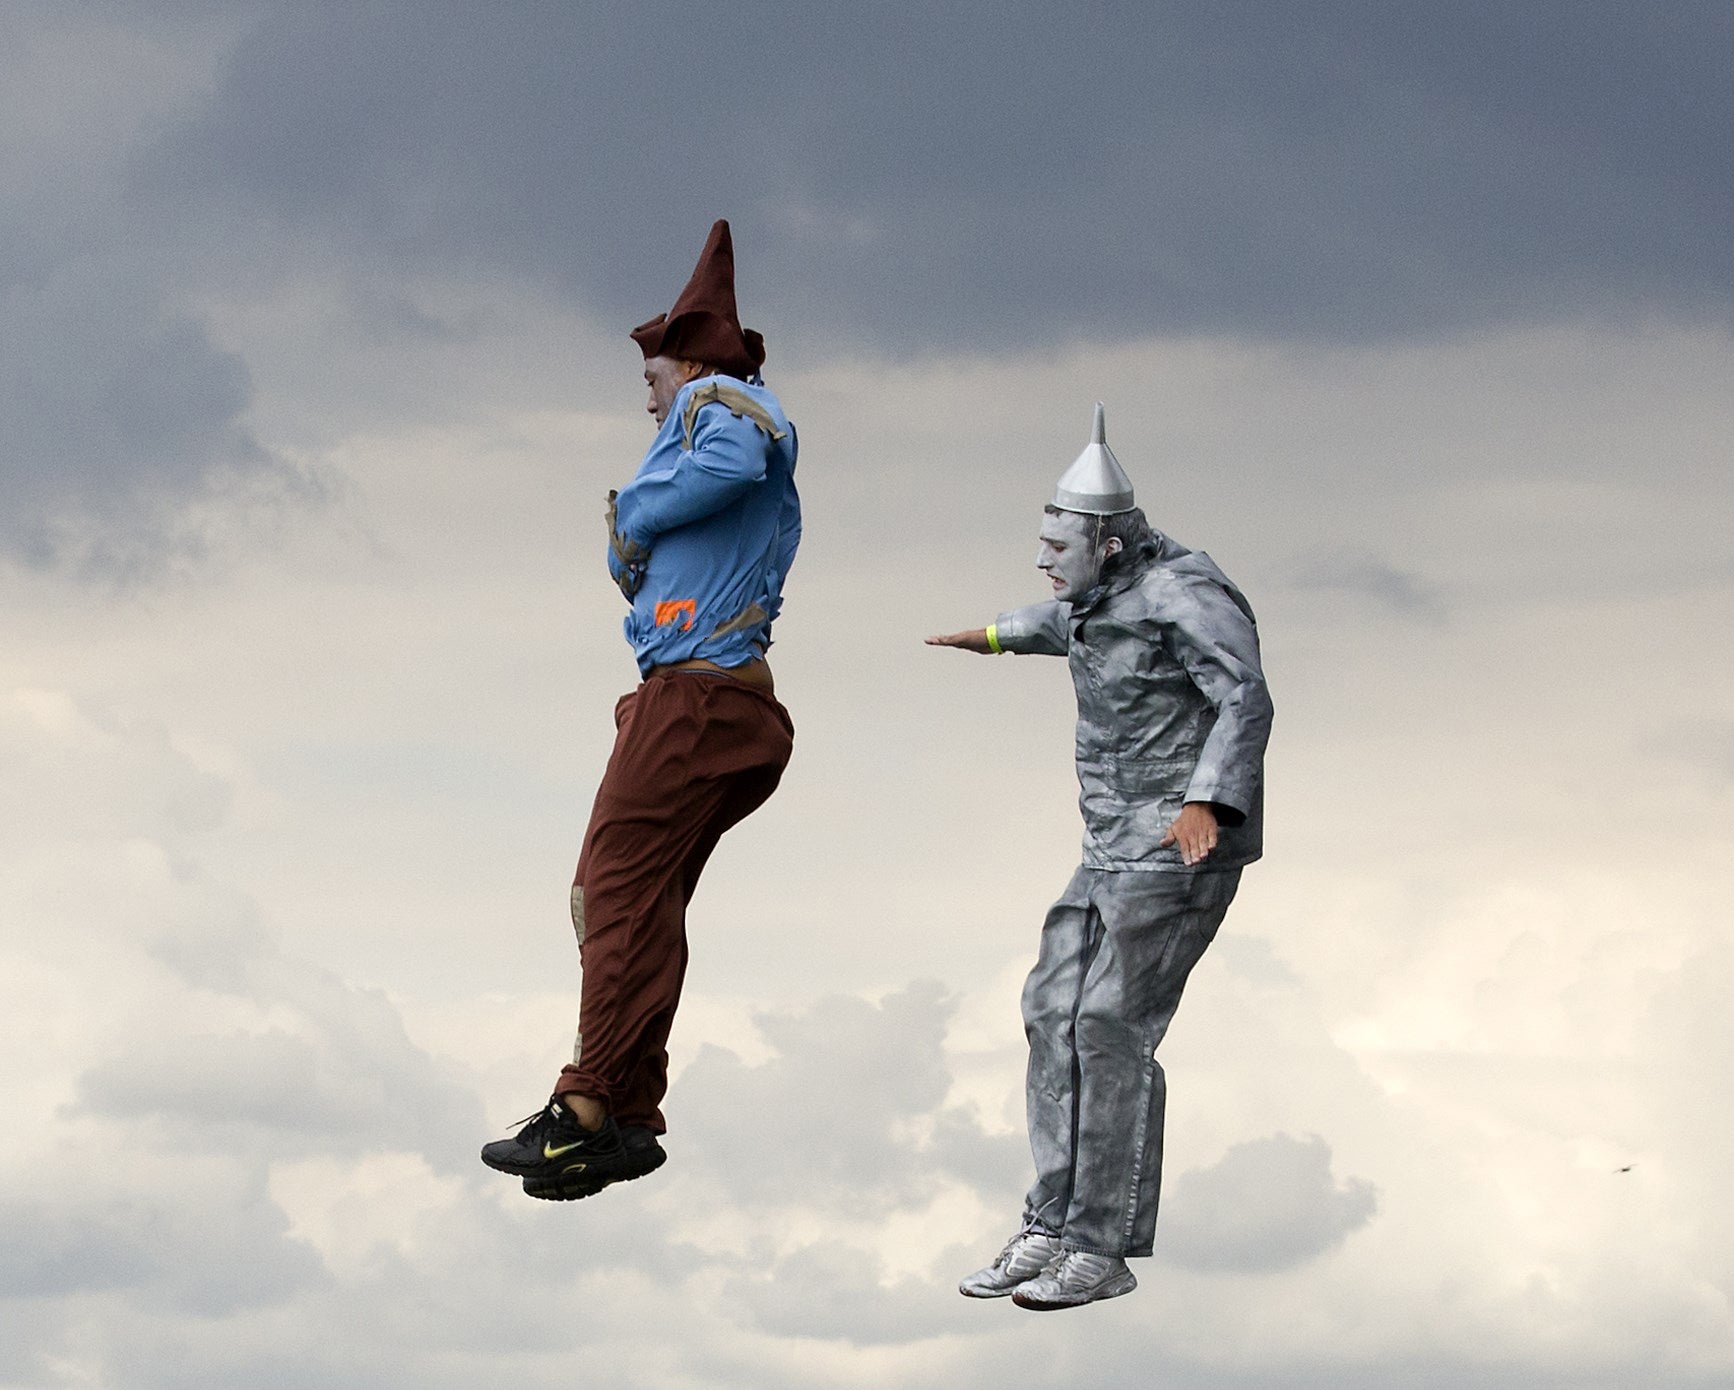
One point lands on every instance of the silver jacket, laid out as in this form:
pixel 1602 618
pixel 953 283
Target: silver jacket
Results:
pixel 1172 704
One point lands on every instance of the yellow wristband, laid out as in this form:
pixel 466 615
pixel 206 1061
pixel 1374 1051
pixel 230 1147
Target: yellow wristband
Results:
pixel 993 639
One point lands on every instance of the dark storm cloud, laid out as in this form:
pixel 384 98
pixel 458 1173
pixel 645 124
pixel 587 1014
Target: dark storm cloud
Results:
pixel 910 177
pixel 336 1054
pixel 904 179
pixel 117 399
pixel 1359 574
pixel 1705 746
pixel 1268 1204
pixel 832 1290
pixel 854 1073
pixel 198 1250
pixel 117 405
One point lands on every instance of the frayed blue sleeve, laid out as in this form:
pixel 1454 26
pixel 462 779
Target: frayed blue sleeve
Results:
pixel 727 457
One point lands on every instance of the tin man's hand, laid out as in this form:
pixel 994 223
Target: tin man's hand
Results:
pixel 1194 830
pixel 975 640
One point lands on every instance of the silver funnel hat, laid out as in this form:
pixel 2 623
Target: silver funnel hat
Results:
pixel 1095 484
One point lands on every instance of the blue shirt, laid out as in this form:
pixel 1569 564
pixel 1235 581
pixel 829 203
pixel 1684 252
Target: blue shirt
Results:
pixel 714 503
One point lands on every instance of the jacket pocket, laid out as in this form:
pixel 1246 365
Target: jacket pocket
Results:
pixel 1128 805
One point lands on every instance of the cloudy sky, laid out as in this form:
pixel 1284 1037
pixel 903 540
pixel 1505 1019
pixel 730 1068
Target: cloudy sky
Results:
pixel 1416 316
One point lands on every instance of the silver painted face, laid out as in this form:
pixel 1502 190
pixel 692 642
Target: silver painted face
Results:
pixel 1069 554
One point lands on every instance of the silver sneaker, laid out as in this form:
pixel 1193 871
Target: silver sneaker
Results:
pixel 1025 1255
pixel 1074 1279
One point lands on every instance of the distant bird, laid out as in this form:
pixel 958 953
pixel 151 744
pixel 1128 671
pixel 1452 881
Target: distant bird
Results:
pixel 1626 1169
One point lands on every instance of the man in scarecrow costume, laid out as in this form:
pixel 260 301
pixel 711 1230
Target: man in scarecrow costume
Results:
pixel 1173 717
pixel 700 542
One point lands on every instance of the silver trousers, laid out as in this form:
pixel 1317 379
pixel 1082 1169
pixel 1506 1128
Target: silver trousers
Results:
pixel 1115 953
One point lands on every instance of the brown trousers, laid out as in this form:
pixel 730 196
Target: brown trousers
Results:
pixel 694 754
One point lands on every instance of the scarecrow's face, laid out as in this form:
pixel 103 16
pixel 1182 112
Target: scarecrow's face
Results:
pixel 665 376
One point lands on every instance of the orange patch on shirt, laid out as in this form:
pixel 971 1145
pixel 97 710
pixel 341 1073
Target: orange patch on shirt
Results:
pixel 671 610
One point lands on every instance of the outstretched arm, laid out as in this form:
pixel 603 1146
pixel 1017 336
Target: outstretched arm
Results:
pixel 975 640
pixel 1042 629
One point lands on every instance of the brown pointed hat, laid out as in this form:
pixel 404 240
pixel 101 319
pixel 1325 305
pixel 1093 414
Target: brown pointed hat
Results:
pixel 703 325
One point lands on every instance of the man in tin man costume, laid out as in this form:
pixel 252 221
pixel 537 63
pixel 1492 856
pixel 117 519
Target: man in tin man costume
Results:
pixel 700 542
pixel 1173 717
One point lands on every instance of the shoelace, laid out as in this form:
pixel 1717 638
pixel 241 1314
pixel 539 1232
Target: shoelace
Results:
pixel 1056 1268
pixel 1012 1244
pixel 528 1120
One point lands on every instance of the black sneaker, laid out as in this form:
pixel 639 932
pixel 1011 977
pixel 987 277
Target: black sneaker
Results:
pixel 643 1155
pixel 553 1145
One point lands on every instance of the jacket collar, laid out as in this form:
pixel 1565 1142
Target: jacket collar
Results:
pixel 1154 551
